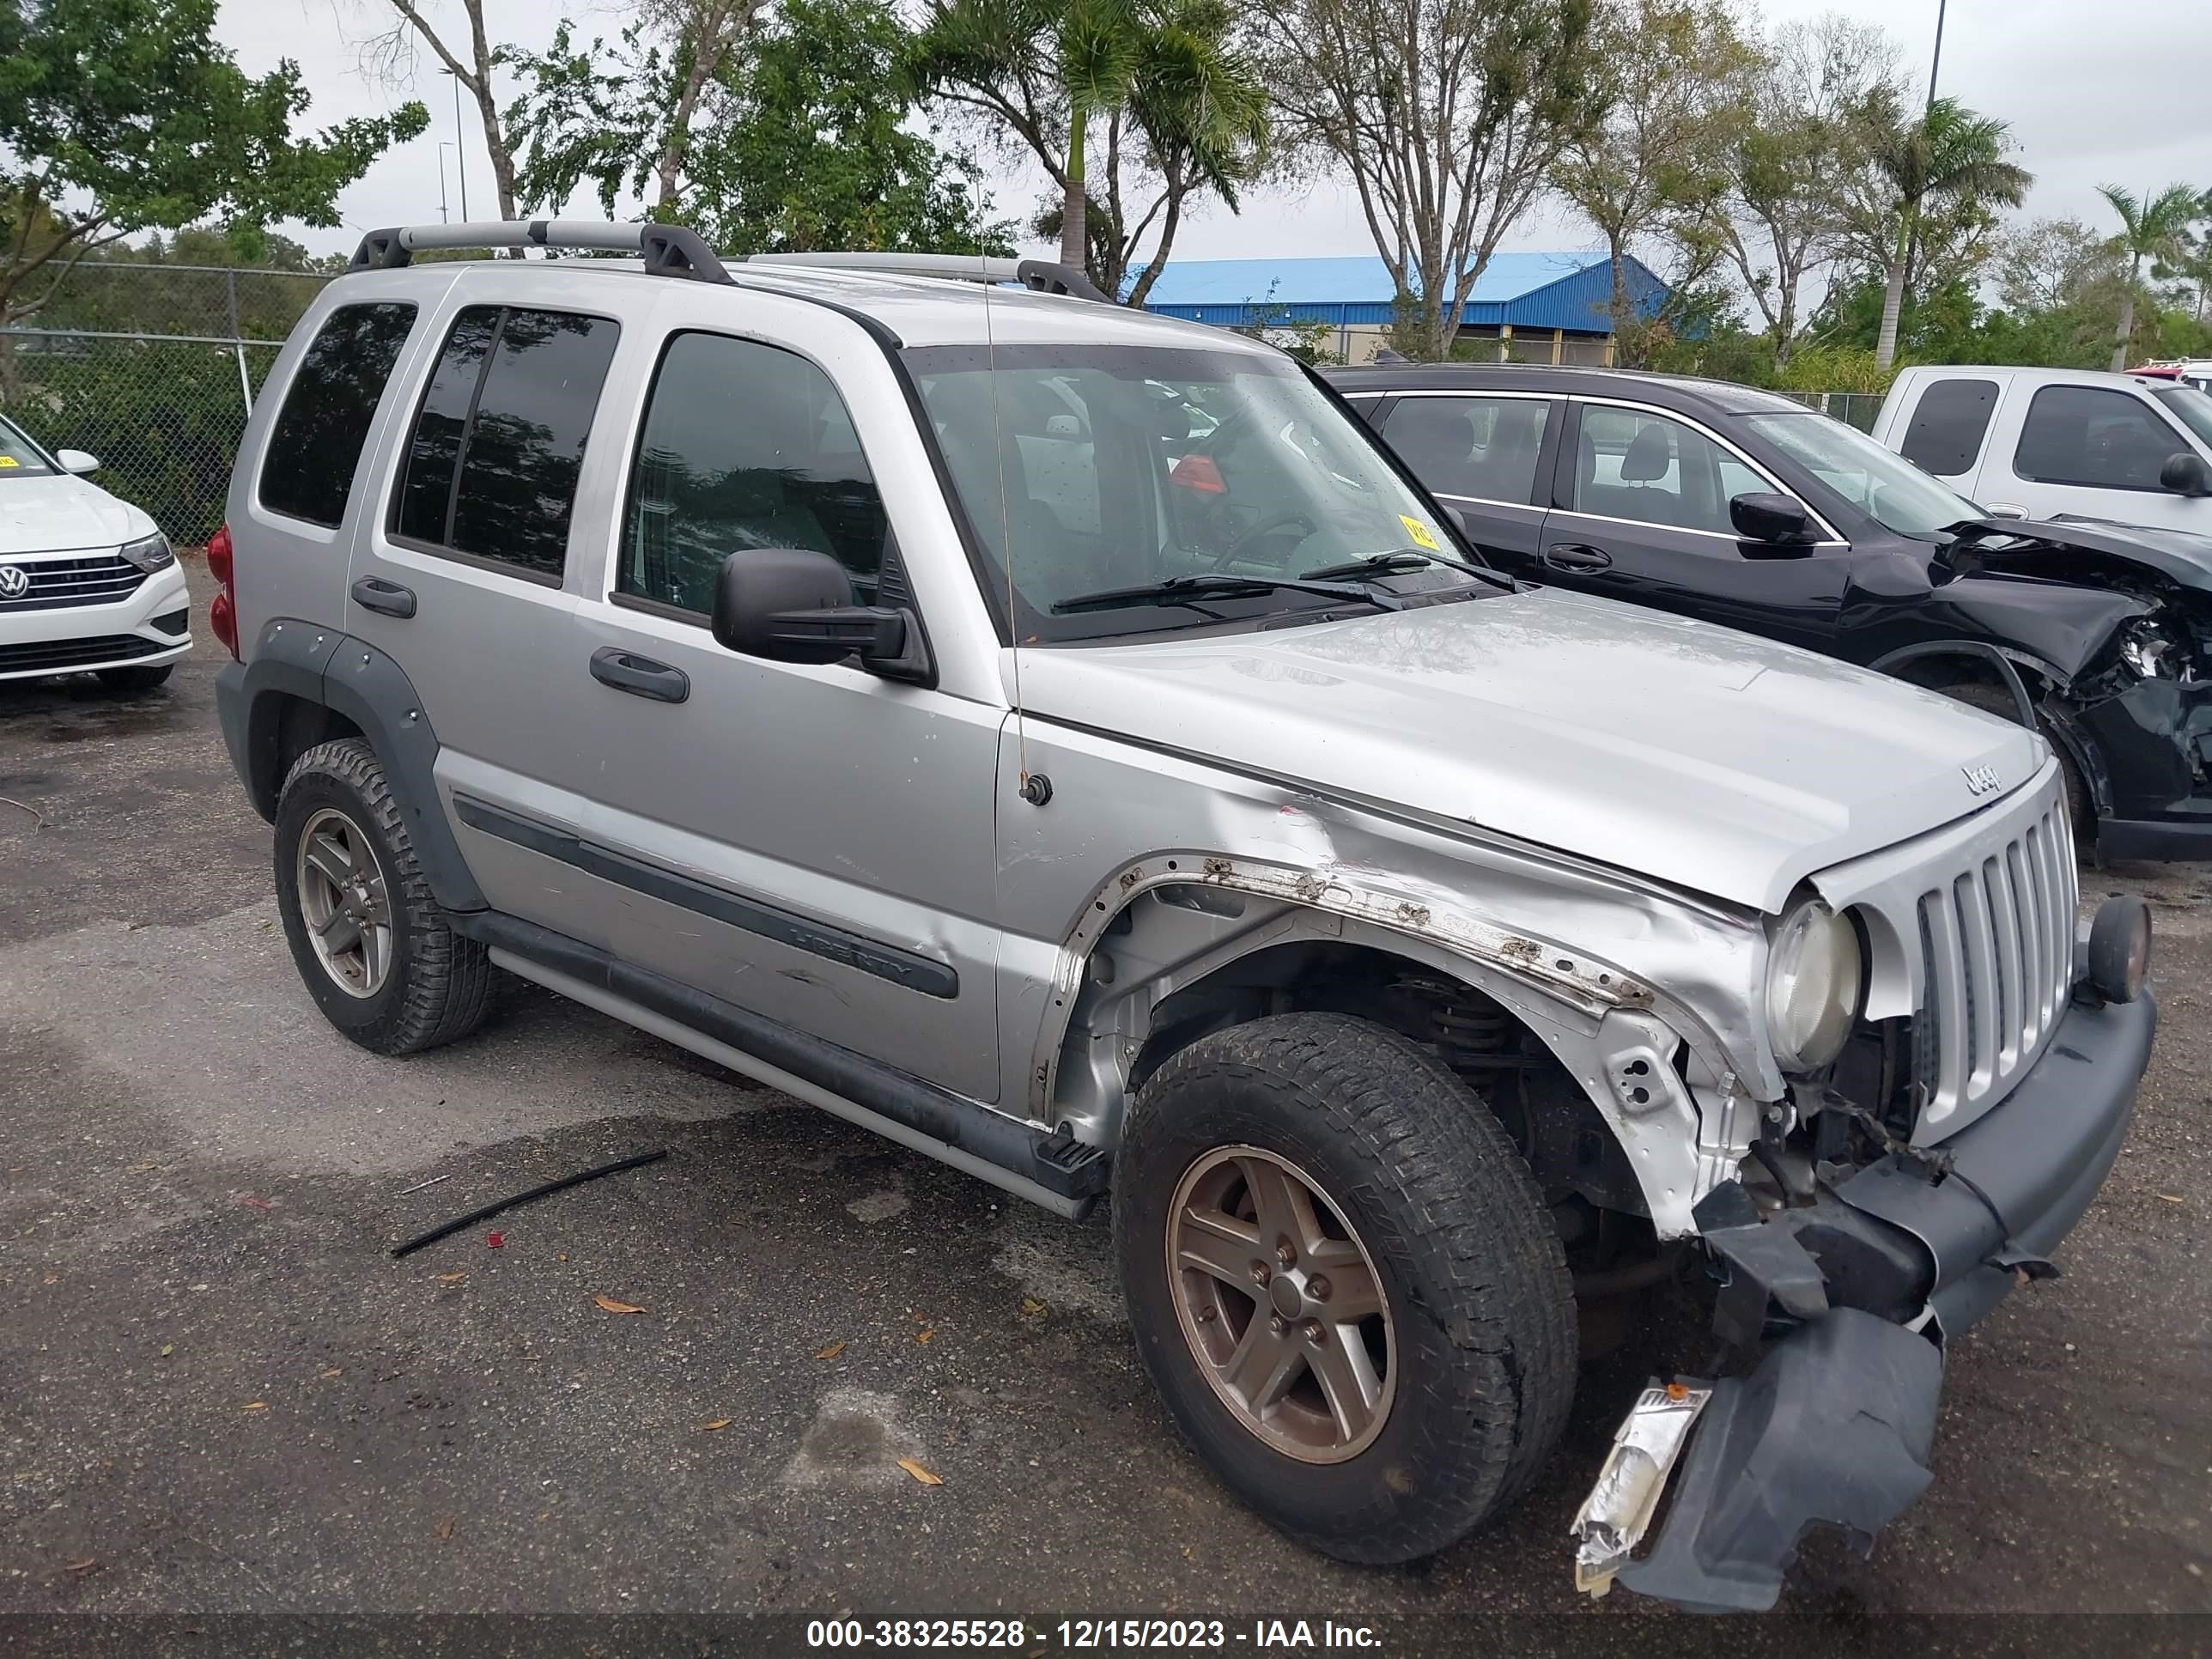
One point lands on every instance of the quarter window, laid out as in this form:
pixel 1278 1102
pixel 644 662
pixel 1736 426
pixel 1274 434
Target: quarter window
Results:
pixel 1482 447
pixel 2078 434
pixel 744 446
pixel 1650 469
pixel 1946 431
pixel 307 470
pixel 491 470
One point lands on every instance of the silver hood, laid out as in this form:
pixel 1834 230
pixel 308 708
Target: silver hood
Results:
pixel 1682 752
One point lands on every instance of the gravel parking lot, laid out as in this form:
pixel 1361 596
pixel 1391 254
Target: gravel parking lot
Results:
pixel 218 1392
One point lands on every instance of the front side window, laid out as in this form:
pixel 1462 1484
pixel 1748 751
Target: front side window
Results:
pixel 19 457
pixel 314 445
pixel 2187 404
pixel 1651 469
pixel 1090 469
pixel 744 446
pixel 2079 435
pixel 1946 431
pixel 1482 447
pixel 1880 483
pixel 499 440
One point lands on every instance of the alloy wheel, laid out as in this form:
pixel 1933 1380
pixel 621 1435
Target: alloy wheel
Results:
pixel 345 903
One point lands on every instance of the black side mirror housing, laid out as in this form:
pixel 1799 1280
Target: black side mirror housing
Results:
pixel 794 604
pixel 1765 515
pixel 2184 474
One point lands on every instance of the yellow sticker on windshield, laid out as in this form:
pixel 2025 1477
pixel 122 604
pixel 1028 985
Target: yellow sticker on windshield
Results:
pixel 9 460
pixel 1422 535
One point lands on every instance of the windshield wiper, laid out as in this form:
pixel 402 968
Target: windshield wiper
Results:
pixel 1405 562
pixel 1182 590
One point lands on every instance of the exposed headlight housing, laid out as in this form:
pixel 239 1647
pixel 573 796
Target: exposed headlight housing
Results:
pixel 1815 986
pixel 149 553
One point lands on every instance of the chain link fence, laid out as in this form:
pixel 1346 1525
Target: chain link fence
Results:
pixel 1857 409
pixel 153 369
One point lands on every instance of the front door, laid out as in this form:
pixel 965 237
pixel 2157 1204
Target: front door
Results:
pixel 1482 454
pixel 1641 512
pixel 811 843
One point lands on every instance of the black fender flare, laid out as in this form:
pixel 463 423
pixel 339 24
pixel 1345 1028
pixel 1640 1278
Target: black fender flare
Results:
pixel 351 677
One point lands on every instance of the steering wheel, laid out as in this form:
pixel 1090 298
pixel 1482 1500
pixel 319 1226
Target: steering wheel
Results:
pixel 1281 521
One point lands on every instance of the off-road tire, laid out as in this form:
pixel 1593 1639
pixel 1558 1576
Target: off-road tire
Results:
pixel 439 983
pixel 1481 1303
pixel 133 682
pixel 1998 701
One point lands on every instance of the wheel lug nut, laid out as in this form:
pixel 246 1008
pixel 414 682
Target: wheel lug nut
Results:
pixel 1276 1324
pixel 1260 1274
pixel 1317 1288
pixel 1313 1330
pixel 1286 1255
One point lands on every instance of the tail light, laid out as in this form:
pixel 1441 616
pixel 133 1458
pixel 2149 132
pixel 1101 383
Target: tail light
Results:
pixel 222 610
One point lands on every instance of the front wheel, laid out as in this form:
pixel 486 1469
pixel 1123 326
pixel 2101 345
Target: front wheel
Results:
pixel 1343 1283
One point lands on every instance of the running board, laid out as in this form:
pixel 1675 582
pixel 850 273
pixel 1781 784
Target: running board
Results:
pixel 1052 1170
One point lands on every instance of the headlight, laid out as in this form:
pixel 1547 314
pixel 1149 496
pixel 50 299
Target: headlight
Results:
pixel 2151 651
pixel 149 553
pixel 1816 986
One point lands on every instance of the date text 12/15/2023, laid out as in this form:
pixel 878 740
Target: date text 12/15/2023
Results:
pixel 1077 1635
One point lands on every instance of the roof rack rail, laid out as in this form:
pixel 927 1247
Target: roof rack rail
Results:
pixel 667 250
pixel 673 251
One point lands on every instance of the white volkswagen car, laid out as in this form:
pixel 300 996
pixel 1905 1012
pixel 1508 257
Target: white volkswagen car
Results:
pixel 87 582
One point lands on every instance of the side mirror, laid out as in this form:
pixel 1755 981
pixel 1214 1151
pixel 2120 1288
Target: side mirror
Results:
pixel 793 605
pixel 2184 474
pixel 76 461
pixel 1765 515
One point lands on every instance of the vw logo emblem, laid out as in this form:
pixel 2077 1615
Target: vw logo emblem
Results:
pixel 15 581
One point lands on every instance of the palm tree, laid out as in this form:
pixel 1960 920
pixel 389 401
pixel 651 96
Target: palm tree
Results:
pixel 1949 156
pixel 2157 230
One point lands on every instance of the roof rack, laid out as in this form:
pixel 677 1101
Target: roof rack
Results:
pixel 673 251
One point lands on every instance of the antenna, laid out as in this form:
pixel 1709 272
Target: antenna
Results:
pixel 1036 788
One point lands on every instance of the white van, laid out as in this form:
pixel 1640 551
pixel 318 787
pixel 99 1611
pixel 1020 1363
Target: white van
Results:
pixel 2038 442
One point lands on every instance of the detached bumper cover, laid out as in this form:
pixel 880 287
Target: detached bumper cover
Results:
pixel 1834 1426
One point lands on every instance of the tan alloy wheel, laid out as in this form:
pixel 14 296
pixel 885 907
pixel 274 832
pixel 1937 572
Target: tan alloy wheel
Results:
pixel 1281 1305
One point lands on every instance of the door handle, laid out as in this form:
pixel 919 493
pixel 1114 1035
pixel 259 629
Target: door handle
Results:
pixel 1573 555
pixel 374 593
pixel 641 676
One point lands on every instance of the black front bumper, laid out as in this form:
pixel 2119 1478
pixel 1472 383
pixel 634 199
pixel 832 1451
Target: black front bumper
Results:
pixel 1834 1424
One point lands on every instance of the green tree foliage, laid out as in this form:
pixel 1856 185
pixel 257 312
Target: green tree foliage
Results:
pixel 1135 109
pixel 2156 229
pixel 802 142
pixel 119 116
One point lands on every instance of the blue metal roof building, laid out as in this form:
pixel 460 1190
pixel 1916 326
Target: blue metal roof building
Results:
pixel 1568 293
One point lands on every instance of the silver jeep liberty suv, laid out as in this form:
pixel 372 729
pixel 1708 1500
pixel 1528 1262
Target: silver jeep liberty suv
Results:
pixel 1063 740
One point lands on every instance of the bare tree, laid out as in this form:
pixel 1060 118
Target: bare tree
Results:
pixel 1813 106
pixel 1449 115
pixel 1675 80
pixel 391 55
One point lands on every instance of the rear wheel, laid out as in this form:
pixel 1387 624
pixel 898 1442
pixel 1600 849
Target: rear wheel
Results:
pixel 130 681
pixel 1343 1283
pixel 366 935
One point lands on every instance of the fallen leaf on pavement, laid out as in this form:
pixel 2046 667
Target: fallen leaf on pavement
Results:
pixel 919 1472
pixel 167 1348
pixel 332 1370
pixel 613 1306
pixel 1031 1307
pixel 85 1565
pixel 255 1406
pixel 256 1203
pixel 451 1278
pixel 446 1530
pixel 832 1351
pixel 924 1335
pixel 560 1256
pixel 2170 1198
pixel 719 1423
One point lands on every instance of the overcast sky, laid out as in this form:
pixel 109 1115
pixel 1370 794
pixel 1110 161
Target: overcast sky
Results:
pixel 2095 90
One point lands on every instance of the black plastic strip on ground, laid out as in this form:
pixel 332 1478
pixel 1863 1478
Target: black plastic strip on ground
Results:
pixel 901 968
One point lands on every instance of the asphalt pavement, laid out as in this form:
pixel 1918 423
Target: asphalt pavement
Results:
pixel 716 1385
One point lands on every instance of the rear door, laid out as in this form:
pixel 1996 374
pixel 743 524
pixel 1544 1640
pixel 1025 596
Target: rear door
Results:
pixel 1486 455
pixel 2096 451
pixel 1947 427
pixel 1640 512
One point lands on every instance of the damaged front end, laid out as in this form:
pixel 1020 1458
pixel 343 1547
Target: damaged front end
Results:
pixel 1887 1204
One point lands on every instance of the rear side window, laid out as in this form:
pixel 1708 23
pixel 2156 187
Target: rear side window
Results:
pixel 492 468
pixel 744 446
pixel 307 470
pixel 1947 426
pixel 2079 435
pixel 1482 447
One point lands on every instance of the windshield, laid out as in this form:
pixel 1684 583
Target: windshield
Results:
pixel 1887 488
pixel 1125 466
pixel 2189 406
pixel 18 454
